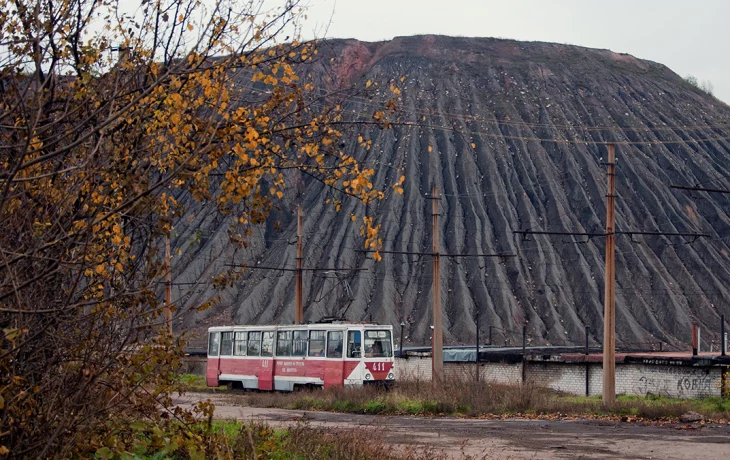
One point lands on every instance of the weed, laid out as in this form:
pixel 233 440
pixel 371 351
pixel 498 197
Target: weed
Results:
pixel 484 398
pixel 375 407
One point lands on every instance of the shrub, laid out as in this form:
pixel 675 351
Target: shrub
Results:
pixel 705 86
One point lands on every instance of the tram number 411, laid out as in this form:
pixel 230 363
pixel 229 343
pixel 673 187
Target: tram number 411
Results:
pixel 378 367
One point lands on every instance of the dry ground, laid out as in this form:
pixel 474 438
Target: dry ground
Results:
pixel 513 439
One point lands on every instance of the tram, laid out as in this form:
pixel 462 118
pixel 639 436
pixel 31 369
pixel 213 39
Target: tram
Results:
pixel 285 358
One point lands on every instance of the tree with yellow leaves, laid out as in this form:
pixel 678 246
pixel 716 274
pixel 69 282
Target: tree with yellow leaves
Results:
pixel 106 117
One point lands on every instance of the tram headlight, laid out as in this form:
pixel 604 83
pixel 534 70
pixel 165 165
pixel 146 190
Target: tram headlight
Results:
pixel 391 376
pixel 368 376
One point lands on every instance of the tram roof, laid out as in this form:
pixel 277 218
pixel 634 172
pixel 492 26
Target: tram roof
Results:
pixel 337 325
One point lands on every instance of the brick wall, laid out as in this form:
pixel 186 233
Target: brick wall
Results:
pixel 631 379
pixel 413 368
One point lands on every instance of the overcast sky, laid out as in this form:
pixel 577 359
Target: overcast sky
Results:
pixel 691 37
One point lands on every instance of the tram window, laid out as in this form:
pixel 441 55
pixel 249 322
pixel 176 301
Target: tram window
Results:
pixel 239 344
pixel 334 344
pixel 316 343
pixel 267 344
pixel 214 343
pixel 254 343
pixel 283 343
pixel 354 344
pixel 378 344
pixel 226 343
pixel 299 343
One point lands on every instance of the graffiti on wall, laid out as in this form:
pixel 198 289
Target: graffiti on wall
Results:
pixel 674 381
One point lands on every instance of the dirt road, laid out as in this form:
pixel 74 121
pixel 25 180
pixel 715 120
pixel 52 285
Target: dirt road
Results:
pixel 513 439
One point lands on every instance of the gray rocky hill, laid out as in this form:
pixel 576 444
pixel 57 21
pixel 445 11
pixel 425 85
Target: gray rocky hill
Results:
pixel 512 134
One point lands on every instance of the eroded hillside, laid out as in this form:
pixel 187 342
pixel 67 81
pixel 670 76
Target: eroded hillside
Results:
pixel 512 134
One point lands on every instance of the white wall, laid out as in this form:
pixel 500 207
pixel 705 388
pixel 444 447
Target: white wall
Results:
pixel 631 379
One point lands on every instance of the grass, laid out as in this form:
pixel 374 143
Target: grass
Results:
pixel 245 440
pixel 194 382
pixel 483 399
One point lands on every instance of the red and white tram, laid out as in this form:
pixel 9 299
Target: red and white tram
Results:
pixel 288 357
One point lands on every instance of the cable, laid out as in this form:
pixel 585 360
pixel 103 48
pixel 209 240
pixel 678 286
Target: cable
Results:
pixel 432 112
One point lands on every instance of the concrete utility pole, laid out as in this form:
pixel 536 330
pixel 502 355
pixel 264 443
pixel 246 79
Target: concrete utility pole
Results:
pixel 609 306
pixel 437 354
pixel 299 309
pixel 168 286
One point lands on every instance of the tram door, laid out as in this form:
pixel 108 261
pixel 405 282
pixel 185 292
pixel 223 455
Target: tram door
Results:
pixel 353 357
pixel 334 365
pixel 212 367
pixel 266 366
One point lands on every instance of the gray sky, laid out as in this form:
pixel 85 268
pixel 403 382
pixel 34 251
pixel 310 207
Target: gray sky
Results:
pixel 691 37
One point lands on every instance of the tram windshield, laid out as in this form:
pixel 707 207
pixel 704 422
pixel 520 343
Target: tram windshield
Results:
pixel 378 344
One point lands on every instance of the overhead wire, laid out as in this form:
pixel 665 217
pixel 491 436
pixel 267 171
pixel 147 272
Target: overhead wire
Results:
pixel 467 116
pixel 508 123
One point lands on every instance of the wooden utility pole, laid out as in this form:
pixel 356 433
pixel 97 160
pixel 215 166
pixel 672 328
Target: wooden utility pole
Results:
pixel 299 309
pixel 168 286
pixel 609 306
pixel 298 270
pixel 437 354
pixel 476 358
pixel 609 298
pixel 437 338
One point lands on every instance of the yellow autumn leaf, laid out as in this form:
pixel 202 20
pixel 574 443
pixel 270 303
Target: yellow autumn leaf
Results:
pixel 279 194
pixel 473 145
pixel 430 149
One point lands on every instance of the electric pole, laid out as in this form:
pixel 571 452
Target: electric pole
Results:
pixel 437 354
pixel 168 286
pixel 437 342
pixel 609 298
pixel 476 358
pixel 609 304
pixel 298 270
pixel 697 188
pixel 299 309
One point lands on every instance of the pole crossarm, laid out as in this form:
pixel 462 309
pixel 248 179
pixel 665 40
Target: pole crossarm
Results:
pixel 604 234
pixel 410 253
pixel 286 269
pixel 540 232
pixel 690 235
pixel 697 188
